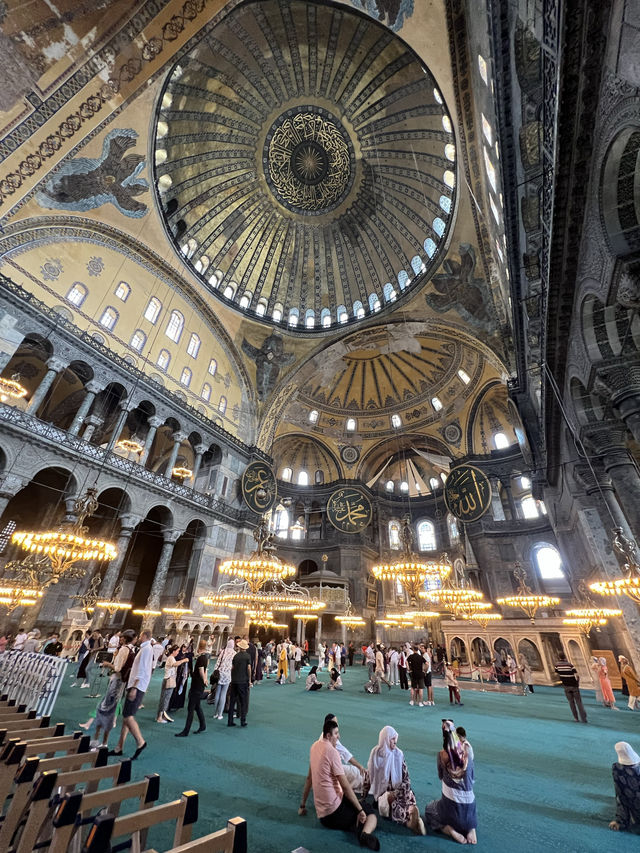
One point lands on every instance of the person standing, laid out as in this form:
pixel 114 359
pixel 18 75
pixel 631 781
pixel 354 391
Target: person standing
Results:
pixel 415 663
pixel 380 667
pixel 283 670
pixel 241 682
pixel 633 682
pixel 196 693
pixel 20 640
pixel 608 698
pixel 570 679
pixel 452 683
pixel 291 662
pixel 223 667
pixel 168 685
pixel 426 655
pixel 137 685
pixel 120 668
pixel 525 675
pixel 371 660
pixel 393 667
pixel 52 646
pixel 351 652
pixel 594 665
pixel 402 670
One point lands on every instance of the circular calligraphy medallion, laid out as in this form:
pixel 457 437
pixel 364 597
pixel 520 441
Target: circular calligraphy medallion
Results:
pixel 349 510
pixel 467 492
pixel 259 487
pixel 350 454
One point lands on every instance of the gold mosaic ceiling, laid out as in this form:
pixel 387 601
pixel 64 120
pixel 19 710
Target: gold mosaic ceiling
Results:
pixel 305 164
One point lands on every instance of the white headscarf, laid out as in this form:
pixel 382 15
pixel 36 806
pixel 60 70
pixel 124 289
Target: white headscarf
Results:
pixel 626 755
pixel 385 764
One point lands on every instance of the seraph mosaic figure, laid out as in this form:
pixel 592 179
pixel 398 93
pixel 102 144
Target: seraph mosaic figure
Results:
pixel 113 178
pixel 268 359
pixel 390 12
pixel 457 289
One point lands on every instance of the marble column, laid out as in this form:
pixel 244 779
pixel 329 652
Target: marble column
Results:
pixel 92 388
pixel 55 366
pixel 620 384
pixel 91 424
pixel 610 445
pixel 154 423
pixel 109 581
pixel 506 484
pixel 497 509
pixel 162 570
pixel 125 409
pixel 200 450
pixel 178 438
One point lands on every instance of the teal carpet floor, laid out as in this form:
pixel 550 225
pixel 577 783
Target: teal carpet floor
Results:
pixel 543 782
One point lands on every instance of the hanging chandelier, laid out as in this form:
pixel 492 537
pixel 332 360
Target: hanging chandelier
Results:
pixel 13 597
pixel 350 619
pixel 262 565
pixel 115 603
pixel 409 571
pixel 146 613
pixel 217 617
pixel 11 389
pixel 587 618
pixel 182 473
pixel 178 609
pixel 525 599
pixel 585 623
pixel 482 618
pixel 53 554
pixel 130 445
pixel 628 585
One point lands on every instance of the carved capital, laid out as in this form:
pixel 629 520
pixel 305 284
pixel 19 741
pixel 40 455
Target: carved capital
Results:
pixel 591 479
pixel 628 294
pixel 179 437
pixel 57 364
pixel 127 524
pixel 93 387
pixel 618 382
pixel 171 536
pixel 155 422
pixel 605 438
pixel 200 448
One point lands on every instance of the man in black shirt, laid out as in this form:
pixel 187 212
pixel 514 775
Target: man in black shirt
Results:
pixel 415 665
pixel 241 681
pixel 570 679
pixel 196 693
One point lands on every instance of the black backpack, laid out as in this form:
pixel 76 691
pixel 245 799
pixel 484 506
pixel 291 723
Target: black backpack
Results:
pixel 125 672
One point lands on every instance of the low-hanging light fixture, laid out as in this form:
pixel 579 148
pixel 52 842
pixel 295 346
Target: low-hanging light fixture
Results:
pixel 525 599
pixel 115 603
pixel 11 389
pixel 629 584
pixel 483 618
pixel 182 473
pixel 146 613
pixel 130 445
pixel 350 619
pixel 178 609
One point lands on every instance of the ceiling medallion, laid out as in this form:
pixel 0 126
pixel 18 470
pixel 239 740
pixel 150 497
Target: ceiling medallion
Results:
pixel 308 160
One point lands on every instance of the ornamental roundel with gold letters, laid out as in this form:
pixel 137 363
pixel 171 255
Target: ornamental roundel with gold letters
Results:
pixel 467 492
pixel 349 510
pixel 259 487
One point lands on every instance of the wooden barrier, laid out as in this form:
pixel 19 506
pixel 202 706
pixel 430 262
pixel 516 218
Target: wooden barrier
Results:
pixel 24 723
pixel 37 809
pixel 33 734
pixel 32 678
pixel 233 839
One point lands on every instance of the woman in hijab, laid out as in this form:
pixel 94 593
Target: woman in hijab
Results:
pixel 454 814
pixel 626 781
pixel 389 782
pixel 605 684
pixel 594 665
pixel 182 674
pixel 312 682
pixel 223 667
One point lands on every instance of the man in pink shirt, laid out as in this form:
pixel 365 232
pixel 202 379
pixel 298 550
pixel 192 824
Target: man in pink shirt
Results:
pixel 336 805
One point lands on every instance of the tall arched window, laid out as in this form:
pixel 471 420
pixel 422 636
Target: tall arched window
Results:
pixel 138 340
pixel 281 523
pixel 77 294
pixel 286 475
pixel 313 416
pixel 310 318
pixel 213 366
pixel 163 359
pixel 206 392
pixel 358 309
pixel 325 318
pixel 529 507
pixel 222 405
pixel 500 440
pixel 341 314
pixel 175 326
pixel 389 485
pixel 109 318
pixel 396 421
pixel 452 525
pixel 261 307
pixel 152 311
pixel 185 377
pixel 389 292
pixel 276 314
pixel 303 478
pixel 193 346
pixel 351 425
pixel 548 561
pixel 426 536
pixel 394 535
pixel 319 477
pixel 374 302
pixel 123 290
pixel 294 315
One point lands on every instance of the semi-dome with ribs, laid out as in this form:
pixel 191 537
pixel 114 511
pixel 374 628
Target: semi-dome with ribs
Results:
pixel 305 163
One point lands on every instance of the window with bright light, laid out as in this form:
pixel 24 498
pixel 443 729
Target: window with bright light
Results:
pixel 436 403
pixel 213 366
pixel 194 345
pixel 394 535
pixel 490 169
pixel 494 210
pixel 138 340
pixel 109 318
pixel 310 318
pixel 222 405
pixel 482 67
pixel 286 475
pixel 325 318
pixel 351 424
pixel 175 326
pixel 374 303
pixel 341 314
pixel 185 377
pixel 319 477
pixel 281 523
pixel 163 359
pixel 358 309
pixel 487 130
pixel 388 292
pixel 245 299
pixel 454 532
pixel 228 292
pixel 434 483
pixel 396 421
pixel 293 317
pixel 152 311
pixel 464 377
pixel 123 290
pixel 549 562
pixel 389 486
pixel 501 441
pixel 206 392
pixel 313 417
pixel 525 483
pixel 276 314
pixel 303 478
pixel 426 536
pixel 529 507
pixel 404 486
pixel 261 308
pixel 77 294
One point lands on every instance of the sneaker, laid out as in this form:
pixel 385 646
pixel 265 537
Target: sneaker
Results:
pixel 411 702
pixel 420 704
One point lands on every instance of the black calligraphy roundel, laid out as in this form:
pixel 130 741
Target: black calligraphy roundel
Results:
pixel 467 492
pixel 349 510
pixel 259 487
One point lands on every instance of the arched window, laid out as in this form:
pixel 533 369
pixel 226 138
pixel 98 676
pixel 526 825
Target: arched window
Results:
pixel 404 486
pixel 434 483
pixel 206 392
pixel 109 318
pixel 123 290
pixel 276 314
pixel 525 483
pixel 319 477
pixel 310 318
pixel 450 153
pixel 436 403
pixel 396 421
pixel 351 425
pixel 548 561
pixel 281 523
pixel 389 486
pixel 163 359
pixel 294 315
pixel 388 292
pixel 303 478
pixel 341 314
pixel 500 440
pixel 403 279
pixel 452 525
pixel 175 326
pixel 482 67
pixel 222 405
pixel 325 318
pixel 445 203
pixel 77 294
pixel 213 366
pixel 194 345
pixel 286 475
pixel 313 416
pixel 430 247
pixel 464 376
pixel 261 307
pixel 185 377
pixel 374 303
pixel 529 507
pixel 438 226
pixel 138 340
pixel 427 536
pixel 450 180
pixel 417 264
pixel 229 291
pixel 358 309
pixel 245 300
pixel 394 535
pixel 152 310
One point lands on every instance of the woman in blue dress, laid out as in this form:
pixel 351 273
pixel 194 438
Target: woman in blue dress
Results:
pixel 454 814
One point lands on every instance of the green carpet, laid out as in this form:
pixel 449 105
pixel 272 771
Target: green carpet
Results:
pixel 543 782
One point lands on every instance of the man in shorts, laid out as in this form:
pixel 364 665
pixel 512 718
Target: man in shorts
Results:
pixel 336 805
pixel 139 679
pixel 426 654
pixel 415 665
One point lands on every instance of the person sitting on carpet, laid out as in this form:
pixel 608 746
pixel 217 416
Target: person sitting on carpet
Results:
pixel 337 807
pixel 336 680
pixel 454 814
pixel 354 771
pixel 312 682
pixel 389 782
pixel 626 781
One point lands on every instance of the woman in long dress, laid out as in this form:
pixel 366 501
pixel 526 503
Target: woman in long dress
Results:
pixel 633 682
pixel 283 668
pixel 223 666
pixel 454 813
pixel 183 665
pixel 595 675
pixel 605 685
pixel 525 674
pixel 389 782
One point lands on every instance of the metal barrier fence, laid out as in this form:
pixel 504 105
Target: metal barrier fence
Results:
pixel 32 679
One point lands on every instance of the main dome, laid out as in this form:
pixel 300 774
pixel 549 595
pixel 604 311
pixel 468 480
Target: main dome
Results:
pixel 305 164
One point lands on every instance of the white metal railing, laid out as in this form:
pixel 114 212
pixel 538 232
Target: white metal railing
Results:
pixel 32 679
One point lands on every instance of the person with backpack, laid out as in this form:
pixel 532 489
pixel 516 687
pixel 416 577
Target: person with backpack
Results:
pixel 137 684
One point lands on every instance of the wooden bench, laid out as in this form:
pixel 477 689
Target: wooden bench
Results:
pixel 36 808
pixel 233 839
pixel 33 734
pixel 22 723
pixel 16 713
pixel 135 826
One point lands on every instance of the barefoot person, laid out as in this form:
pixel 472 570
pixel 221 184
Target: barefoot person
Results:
pixel 389 782
pixel 454 814
pixel 336 805
pixel 137 684
pixel 626 781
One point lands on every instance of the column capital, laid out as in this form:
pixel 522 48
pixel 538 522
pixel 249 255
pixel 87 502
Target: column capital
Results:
pixel 591 479
pixel 93 420
pixel 155 422
pixel 57 364
pixel 127 405
pixel 171 536
pixel 606 437
pixel 200 448
pixel 93 387
pixel 128 523
pixel 178 436
pixel 618 382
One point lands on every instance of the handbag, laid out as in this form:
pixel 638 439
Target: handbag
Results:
pixel 214 678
